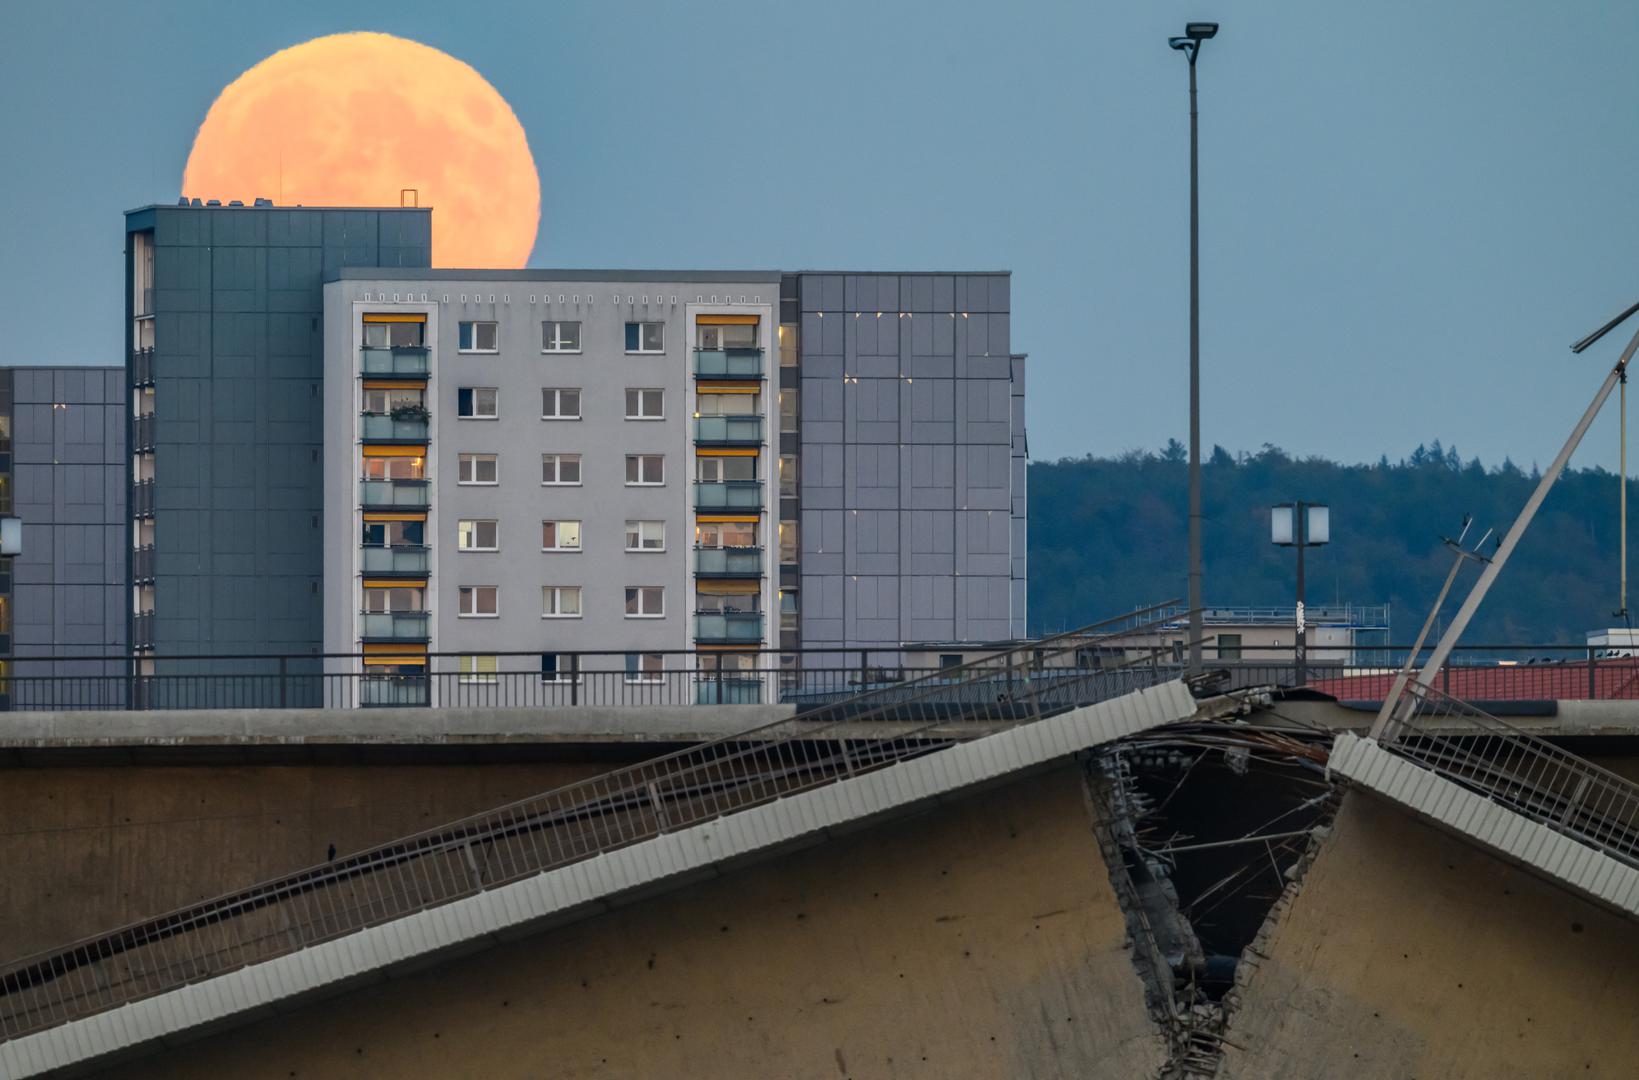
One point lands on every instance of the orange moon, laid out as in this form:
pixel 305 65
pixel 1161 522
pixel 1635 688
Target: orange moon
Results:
pixel 352 119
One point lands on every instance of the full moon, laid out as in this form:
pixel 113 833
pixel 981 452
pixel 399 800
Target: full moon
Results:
pixel 353 119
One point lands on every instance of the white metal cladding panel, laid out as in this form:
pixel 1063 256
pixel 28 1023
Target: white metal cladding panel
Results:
pixel 599 877
pixel 1578 866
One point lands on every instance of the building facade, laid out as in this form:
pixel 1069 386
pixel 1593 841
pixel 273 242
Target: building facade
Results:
pixel 225 360
pixel 62 471
pixel 693 473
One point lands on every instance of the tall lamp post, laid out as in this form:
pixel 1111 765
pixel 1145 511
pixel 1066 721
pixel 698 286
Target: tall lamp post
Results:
pixel 1190 45
pixel 1300 525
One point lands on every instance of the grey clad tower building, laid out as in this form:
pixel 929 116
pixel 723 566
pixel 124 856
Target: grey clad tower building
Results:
pixel 225 358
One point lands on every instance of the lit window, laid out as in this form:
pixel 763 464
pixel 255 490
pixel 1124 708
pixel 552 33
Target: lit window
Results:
pixel 645 667
pixel 645 601
pixel 788 542
pixel 476 469
pixel 788 475
pixel 476 337
pixel 788 410
pixel 475 403
pixel 561 470
pixel 477 601
pixel 725 534
pixel 479 669
pixel 645 470
pixel 645 536
pixel 645 337
pixel 560 336
pixel 560 536
pixel 560 601
pixel 476 535
pixel 644 404
pixel 788 344
pixel 558 403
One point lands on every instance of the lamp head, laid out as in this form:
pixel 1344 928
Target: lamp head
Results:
pixel 1200 31
pixel 1181 43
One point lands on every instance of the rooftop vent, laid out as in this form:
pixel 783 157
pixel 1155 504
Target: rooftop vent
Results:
pixel 264 202
pixel 237 202
pixel 213 202
pixel 182 201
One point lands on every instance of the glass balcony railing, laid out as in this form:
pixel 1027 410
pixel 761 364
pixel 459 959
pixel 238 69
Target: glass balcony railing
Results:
pixel 729 495
pixel 393 493
pixel 727 690
pixel 379 428
pixel 142 630
pixel 142 367
pixel 142 433
pixel 728 430
pixel 142 563
pixel 395 625
pixel 728 363
pixel 402 360
pixel 142 499
pixel 728 627
pixel 729 562
pixel 403 559
pixel 393 690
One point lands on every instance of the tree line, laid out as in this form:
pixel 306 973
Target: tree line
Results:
pixel 1108 534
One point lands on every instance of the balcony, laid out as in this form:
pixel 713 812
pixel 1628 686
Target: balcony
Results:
pixel 393 429
pixel 142 367
pixel 395 625
pixel 728 430
pixel 142 434
pixel 728 690
pixel 142 499
pixel 408 360
pixel 142 630
pixel 401 560
pixel 729 495
pixel 142 563
pixel 728 627
pixel 393 690
pixel 728 363
pixel 728 562
pixel 393 494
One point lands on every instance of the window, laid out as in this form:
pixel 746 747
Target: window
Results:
pixel 476 469
pixel 950 659
pixel 1229 646
pixel 788 475
pixel 560 536
pixel 560 336
pixel 393 533
pixel 645 404
pixel 717 470
pixel 560 404
pixel 788 344
pixel 789 608
pixel 645 469
pixel 401 598
pixel 729 405
pixel 393 468
pixel 645 337
pixel 394 335
pixel 727 336
pixel 560 601
pixel 378 402
pixel 478 669
pixel 645 536
pixel 557 669
pixel 475 535
pixel 788 542
pixel 725 534
pixel 562 470
pixel 476 337
pixel 475 403
pixel 645 601
pixel 477 601
pixel 649 667
pixel 788 410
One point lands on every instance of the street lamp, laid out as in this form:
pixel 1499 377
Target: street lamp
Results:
pixel 1300 525
pixel 1190 46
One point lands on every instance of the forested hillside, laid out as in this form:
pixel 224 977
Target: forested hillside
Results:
pixel 1109 534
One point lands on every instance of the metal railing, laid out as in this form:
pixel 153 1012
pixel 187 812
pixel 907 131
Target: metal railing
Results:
pixel 142 367
pixel 142 499
pixel 142 433
pixel 1530 776
pixel 629 805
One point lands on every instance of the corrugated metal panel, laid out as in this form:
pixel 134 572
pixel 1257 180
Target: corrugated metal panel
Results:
pixel 1553 855
pixel 765 829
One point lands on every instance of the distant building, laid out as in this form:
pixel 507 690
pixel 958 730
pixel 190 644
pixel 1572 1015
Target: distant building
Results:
pixel 223 308
pixel 649 461
pixel 62 471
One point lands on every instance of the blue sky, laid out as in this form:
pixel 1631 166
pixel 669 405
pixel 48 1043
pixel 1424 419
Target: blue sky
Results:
pixel 1409 209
